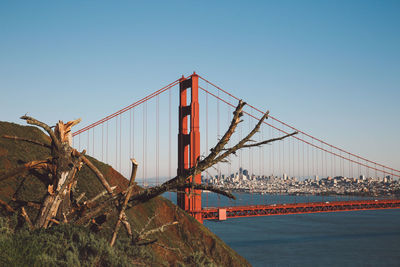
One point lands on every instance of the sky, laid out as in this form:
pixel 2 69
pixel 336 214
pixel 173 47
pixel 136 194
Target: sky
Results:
pixel 330 68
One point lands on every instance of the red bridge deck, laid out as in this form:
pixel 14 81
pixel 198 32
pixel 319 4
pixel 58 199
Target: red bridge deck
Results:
pixel 223 213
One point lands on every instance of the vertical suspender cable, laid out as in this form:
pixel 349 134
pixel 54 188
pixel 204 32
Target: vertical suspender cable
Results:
pixel 144 143
pixel 102 142
pixel 308 163
pixel 289 158
pixel 228 119
pixel 270 153
pixel 279 159
pixel 283 157
pixel 322 161
pixel 88 142
pixel 293 157
pixel 218 170
pixel 133 133
pixel 169 137
pixel 93 141
pixel 259 153
pixel 116 143
pixel 332 174
pixel 298 159
pixel 312 159
pixel 130 133
pixel 120 142
pixel 208 176
pixel 317 163
pixel 350 171
pixel 303 160
pixel 157 139
pixel 273 154
pixel 107 143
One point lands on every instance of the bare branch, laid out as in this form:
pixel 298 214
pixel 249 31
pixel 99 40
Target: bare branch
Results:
pixel 44 126
pixel 8 208
pixel 225 139
pixel 35 164
pixel 20 170
pixel 26 217
pixel 270 140
pixel 16 138
pixel 244 140
pixel 127 197
pixel 145 234
pixel 98 174
pixel 209 188
pixel 78 199
pixel 101 194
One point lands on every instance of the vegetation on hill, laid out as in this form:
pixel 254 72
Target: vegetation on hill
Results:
pixel 186 243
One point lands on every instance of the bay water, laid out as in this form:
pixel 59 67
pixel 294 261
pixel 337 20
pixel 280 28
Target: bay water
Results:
pixel 353 238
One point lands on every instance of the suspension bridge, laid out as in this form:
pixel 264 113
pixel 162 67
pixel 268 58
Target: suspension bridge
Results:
pixel 162 132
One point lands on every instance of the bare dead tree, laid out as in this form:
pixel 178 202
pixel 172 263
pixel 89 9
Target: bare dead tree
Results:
pixel 218 153
pixel 65 162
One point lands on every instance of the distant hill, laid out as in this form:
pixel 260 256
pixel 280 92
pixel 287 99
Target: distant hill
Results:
pixel 187 243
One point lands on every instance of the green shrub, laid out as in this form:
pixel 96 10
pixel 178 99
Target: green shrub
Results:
pixel 197 259
pixel 63 245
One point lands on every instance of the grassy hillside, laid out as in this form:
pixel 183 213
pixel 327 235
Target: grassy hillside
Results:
pixel 187 243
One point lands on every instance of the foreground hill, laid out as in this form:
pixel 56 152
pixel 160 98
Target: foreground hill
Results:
pixel 186 243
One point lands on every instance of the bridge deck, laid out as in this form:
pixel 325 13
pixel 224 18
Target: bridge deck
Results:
pixel 222 213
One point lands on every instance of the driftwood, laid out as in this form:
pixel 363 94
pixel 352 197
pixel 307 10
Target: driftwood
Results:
pixel 65 162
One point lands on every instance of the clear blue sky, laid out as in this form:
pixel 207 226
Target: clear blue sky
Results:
pixel 331 68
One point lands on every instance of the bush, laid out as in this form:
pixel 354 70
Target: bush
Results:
pixel 197 259
pixel 63 245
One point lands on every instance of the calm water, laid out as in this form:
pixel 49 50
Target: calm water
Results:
pixel 357 238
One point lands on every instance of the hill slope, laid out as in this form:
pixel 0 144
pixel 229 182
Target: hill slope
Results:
pixel 186 242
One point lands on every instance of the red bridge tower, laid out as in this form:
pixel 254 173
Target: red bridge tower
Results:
pixel 189 143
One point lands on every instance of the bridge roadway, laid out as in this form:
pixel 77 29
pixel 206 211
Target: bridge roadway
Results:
pixel 223 213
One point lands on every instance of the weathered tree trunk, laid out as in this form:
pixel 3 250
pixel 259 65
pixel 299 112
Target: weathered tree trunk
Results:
pixel 57 202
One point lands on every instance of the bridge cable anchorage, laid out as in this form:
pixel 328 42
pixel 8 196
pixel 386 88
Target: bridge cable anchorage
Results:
pixel 297 130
